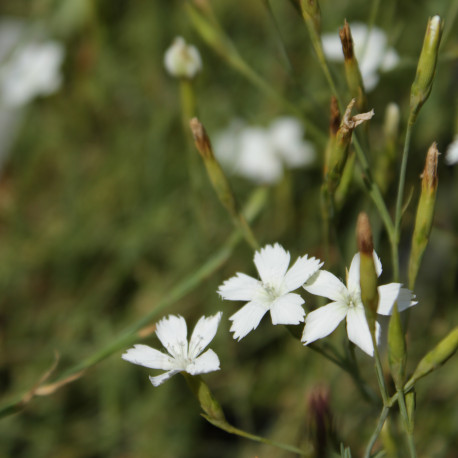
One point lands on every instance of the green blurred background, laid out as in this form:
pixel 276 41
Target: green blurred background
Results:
pixel 97 224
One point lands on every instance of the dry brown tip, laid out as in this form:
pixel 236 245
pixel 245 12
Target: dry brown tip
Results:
pixel 334 121
pixel 347 41
pixel 429 175
pixel 364 234
pixel 201 139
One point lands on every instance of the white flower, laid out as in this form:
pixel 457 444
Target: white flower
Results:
pixel 272 293
pixel 347 304
pixel 370 49
pixel 182 60
pixel 172 333
pixel 33 69
pixel 451 155
pixel 260 154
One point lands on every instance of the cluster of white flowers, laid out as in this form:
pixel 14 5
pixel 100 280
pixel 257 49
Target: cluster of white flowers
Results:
pixel 260 154
pixel 370 48
pixel 273 293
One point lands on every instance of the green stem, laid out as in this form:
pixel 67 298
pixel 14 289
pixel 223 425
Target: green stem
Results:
pixel 407 423
pixel 402 177
pixel 376 433
pixel 225 426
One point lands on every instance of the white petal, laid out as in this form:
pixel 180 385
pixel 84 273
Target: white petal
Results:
pixel 358 329
pixel 451 155
pixel 390 60
pixel 325 284
pixel 239 288
pixel 208 362
pixel 247 319
pixel 148 357
pixel 156 381
pixel 300 272
pixel 287 309
pixel 257 159
pixel 172 332
pixel 405 299
pixel 286 135
pixel 272 263
pixel 388 295
pixel 203 334
pixel 332 46
pixel 353 273
pixel 321 322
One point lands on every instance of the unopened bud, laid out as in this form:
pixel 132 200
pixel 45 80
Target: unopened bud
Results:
pixel 352 71
pixel 201 138
pixel 182 60
pixel 425 213
pixel 367 271
pixel 320 419
pixel 435 358
pixel 426 68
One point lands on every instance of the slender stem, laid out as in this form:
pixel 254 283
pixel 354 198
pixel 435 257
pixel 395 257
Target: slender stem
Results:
pixel 379 372
pixel 407 423
pixel 225 426
pixel 376 433
pixel 402 177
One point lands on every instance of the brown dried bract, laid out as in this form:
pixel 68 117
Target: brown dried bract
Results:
pixel 364 234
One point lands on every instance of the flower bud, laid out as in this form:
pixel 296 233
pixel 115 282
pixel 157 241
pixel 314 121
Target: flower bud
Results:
pixel 435 358
pixel 182 60
pixel 217 177
pixel 320 420
pixel 426 68
pixel 367 272
pixel 352 71
pixel 425 213
pixel 219 181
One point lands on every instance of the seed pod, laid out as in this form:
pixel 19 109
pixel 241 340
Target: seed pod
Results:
pixel 396 349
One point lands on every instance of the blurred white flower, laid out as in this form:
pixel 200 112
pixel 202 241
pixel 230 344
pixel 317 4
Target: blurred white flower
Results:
pixel 28 68
pixel 172 332
pixel 182 60
pixel 260 154
pixel 272 293
pixel 347 304
pixel 370 49
pixel 451 154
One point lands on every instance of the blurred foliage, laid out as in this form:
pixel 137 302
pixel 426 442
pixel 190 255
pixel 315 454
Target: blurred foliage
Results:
pixel 97 223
